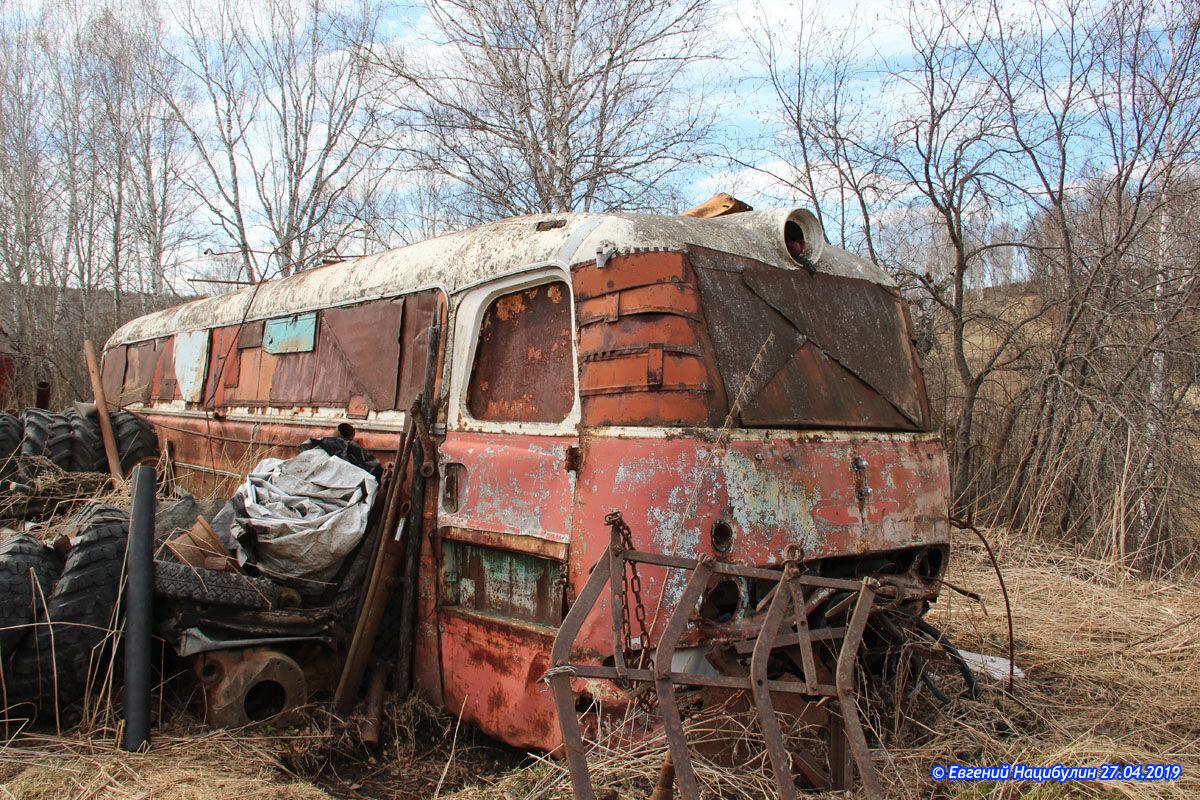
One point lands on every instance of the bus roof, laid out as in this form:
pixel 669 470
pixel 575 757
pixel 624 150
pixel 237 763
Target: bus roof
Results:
pixel 458 260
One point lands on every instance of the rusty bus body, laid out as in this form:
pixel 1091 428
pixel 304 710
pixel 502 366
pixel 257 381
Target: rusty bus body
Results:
pixel 740 391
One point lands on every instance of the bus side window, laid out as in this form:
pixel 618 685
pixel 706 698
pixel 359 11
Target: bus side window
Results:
pixel 524 370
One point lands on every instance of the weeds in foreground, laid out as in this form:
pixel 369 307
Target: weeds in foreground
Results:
pixel 1113 675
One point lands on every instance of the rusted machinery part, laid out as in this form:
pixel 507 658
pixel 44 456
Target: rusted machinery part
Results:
pixel 664 788
pixel 411 562
pixel 719 205
pixel 424 410
pixel 42 395
pixel 427 448
pixel 789 596
pixel 253 685
pixel 383 569
pixel 939 638
pixel 374 711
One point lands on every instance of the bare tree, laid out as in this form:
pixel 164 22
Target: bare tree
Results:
pixel 72 107
pixel 554 105
pixel 283 124
pixel 1045 161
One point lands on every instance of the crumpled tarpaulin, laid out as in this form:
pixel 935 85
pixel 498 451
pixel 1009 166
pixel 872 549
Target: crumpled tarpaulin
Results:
pixel 304 514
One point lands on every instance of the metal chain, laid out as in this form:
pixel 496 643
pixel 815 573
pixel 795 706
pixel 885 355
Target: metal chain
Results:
pixel 631 583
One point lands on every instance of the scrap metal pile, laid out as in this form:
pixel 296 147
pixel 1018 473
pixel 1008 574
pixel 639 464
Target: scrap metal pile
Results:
pixel 253 594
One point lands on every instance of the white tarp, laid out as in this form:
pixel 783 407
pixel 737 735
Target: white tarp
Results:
pixel 308 512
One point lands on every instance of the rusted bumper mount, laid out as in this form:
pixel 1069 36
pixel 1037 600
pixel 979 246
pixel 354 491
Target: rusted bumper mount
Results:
pixel 795 593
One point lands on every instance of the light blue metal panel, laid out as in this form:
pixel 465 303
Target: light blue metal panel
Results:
pixel 191 358
pixel 296 334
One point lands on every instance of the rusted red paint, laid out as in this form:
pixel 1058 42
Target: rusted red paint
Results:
pixel 780 489
pixel 645 357
pixel 492 671
pixel 511 484
pixel 772 492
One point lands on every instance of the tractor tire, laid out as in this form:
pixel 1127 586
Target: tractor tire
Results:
pixel 136 440
pixel 175 581
pixel 52 669
pixel 35 432
pixel 74 443
pixel 10 444
pixel 28 570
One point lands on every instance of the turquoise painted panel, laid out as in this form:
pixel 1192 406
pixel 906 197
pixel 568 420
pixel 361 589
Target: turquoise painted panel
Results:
pixel 518 585
pixel 296 334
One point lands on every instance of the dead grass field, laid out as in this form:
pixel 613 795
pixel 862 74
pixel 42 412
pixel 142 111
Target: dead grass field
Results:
pixel 1113 675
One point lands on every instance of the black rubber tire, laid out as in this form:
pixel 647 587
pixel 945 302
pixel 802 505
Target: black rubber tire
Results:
pixel 136 440
pixel 10 444
pixel 28 571
pixel 175 581
pixel 35 431
pixel 75 443
pixel 67 655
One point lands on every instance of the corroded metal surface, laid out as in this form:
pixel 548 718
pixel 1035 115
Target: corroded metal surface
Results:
pixel 811 349
pixel 486 252
pixel 490 672
pixel 523 370
pixel 252 685
pixel 644 353
pixel 510 484
pixel 191 361
pixel 294 334
pixel 773 490
pixel 859 324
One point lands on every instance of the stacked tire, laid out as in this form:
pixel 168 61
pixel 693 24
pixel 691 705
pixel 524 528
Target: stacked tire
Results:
pixel 136 441
pixel 71 441
pixel 11 434
pixel 57 623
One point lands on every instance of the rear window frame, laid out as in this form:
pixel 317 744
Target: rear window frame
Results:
pixel 470 305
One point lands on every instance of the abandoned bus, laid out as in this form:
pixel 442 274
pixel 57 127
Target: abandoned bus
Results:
pixel 644 427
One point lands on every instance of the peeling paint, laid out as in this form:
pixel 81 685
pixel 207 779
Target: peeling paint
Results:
pixel 486 252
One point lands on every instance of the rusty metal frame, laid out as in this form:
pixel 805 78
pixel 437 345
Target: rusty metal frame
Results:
pixel 609 570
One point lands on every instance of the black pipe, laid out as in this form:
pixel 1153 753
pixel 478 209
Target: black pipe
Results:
pixel 139 611
pixel 42 396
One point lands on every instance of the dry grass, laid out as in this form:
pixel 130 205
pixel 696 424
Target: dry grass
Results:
pixel 54 494
pixel 182 765
pixel 1113 665
pixel 1113 668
